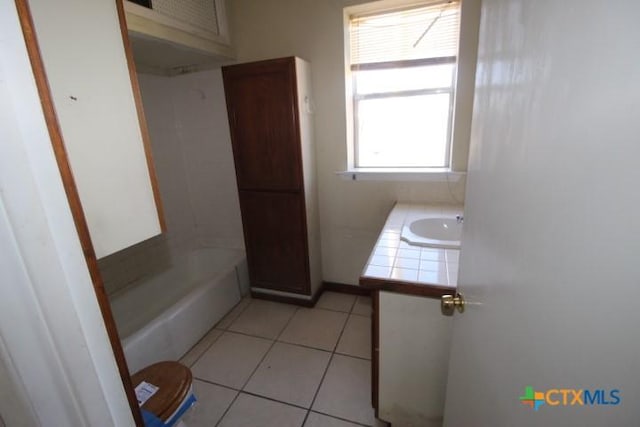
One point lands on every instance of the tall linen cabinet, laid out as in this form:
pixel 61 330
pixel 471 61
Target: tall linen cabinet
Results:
pixel 270 116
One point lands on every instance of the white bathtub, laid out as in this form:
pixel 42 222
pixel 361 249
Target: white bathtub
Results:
pixel 162 317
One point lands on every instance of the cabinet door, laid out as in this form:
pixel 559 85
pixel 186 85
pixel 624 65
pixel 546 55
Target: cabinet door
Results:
pixel 263 115
pixel 97 104
pixel 275 236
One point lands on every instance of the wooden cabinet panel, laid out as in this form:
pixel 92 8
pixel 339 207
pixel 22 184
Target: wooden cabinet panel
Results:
pixel 275 180
pixel 274 227
pixel 263 113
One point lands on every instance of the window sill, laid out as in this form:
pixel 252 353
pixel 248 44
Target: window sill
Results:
pixel 401 174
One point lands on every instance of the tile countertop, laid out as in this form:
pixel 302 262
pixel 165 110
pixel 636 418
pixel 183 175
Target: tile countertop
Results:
pixel 394 265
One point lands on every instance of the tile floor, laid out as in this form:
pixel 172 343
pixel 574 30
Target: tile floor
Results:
pixel 269 364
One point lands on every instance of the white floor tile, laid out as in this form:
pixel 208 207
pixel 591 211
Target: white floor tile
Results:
pixel 212 402
pixel 263 318
pixel 289 373
pixel 318 420
pixel 336 301
pixel 203 345
pixel 356 337
pixel 252 411
pixel 362 306
pixel 231 360
pixel 228 319
pixel 346 390
pixel 316 328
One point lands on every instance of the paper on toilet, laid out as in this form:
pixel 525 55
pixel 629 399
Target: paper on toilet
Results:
pixel 144 392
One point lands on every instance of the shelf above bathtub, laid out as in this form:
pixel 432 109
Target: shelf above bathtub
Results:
pixel 164 45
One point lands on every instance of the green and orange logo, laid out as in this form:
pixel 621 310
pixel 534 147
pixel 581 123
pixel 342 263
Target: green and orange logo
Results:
pixel 569 397
pixel 532 398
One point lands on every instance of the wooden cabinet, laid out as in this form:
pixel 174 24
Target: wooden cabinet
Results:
pixel 273 224
pixel 271 134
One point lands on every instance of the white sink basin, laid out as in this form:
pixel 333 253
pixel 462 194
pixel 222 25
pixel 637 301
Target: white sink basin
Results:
pixel 433 232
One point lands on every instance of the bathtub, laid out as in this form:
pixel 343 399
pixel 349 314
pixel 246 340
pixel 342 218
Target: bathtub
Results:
pixel 163 316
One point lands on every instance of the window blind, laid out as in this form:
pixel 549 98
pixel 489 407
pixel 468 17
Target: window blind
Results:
pixel 427 31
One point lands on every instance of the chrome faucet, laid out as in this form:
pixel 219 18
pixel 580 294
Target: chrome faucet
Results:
pixel 459 219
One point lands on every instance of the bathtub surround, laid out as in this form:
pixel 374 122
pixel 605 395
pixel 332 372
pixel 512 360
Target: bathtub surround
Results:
pixel 187 122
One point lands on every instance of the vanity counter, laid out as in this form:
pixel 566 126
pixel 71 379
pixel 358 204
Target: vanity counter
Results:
pixel 396 266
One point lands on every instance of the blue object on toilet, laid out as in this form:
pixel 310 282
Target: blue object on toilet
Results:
pixel 150 420
pixel 184 407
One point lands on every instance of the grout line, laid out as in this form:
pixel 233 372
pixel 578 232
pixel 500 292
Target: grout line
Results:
pixel 305 346
pixel 226 411
pixel 222 331
pixel 236 317
pixel 216 384
pixel 353 304
pixel 206 349
pixel 250 393
pixel 249 335
pixel 360 315
pixel 287 324
pixel 352 356
pixel 275 340
pixel 273 343
pixel 324 374
pixel 327 309
pixel 315 395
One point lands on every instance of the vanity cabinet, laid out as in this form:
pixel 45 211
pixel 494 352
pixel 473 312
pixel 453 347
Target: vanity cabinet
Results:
pixel 271 133
pixel 410 335
pixel 97 102
pixel 411 359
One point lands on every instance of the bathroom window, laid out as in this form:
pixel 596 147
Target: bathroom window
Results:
pixel 402 66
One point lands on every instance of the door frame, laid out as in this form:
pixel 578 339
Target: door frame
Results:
pixel 70 188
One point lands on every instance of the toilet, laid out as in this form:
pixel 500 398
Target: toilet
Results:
pixel 165 393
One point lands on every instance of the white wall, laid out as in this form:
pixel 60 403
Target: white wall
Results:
pixel 351 213
pixel 187 121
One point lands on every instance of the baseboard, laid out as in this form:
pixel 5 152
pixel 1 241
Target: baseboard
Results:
pixel 346 289
pixel 326 286
pixel 289 300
